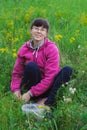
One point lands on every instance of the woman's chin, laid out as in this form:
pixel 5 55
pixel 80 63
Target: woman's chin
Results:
pixel 38 40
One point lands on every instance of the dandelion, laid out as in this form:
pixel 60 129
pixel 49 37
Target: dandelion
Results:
pixel 58 37
pixel 72 90
pixel 72 39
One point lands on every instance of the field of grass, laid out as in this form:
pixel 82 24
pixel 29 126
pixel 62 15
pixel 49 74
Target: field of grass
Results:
pixel 68 28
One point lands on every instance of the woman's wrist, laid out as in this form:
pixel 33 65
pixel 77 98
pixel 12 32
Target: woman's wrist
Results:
pixel 31 95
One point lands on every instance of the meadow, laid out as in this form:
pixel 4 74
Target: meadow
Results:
pixel 68 28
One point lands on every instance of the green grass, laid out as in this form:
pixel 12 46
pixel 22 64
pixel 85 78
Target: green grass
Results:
pixel 68 19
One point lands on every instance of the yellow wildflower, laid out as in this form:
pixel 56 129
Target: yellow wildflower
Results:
pixel 72 39
pixel 14 40
pixel 84 20
pixel 2 50
pixel 77 33
pixel 86 46
pixel 6 50
pixel 28 14
pixel 45 119
pixel 8 36
pixel 14 54
pixel 58 37
pixel 10 23
pixel 14 50
pixel 50 5
pixel 58 14
pixel 27 17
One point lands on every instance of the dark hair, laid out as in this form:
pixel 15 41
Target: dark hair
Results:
pixel 40 22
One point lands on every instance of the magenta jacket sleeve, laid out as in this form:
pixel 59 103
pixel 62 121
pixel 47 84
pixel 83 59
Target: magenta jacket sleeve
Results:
pixel 17 73
pixel 50 71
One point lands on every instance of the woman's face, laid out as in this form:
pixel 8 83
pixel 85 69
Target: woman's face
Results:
pixel 38 33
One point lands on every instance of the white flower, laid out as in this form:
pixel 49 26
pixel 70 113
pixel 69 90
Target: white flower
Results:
pixel 79 46
pixel 72 90
pixel 67 99
pixel 62 85
pixel 83 71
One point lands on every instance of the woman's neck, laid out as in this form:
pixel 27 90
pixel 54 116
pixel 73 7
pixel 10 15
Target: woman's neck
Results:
pixel 36 43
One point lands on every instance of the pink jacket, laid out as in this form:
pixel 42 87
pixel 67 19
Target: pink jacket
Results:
pixel 48 60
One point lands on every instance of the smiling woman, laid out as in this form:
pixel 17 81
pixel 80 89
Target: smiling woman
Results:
pixel 68 28
pixel 37 74
pixel 39 30
pixel 38 34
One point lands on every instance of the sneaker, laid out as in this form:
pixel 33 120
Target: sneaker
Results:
pixel 33 108
pixel 38 110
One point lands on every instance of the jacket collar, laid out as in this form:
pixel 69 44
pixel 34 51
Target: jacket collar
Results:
pixel 40 44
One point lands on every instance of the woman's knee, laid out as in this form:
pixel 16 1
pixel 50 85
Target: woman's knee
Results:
pixel 31 66
pixel 67 69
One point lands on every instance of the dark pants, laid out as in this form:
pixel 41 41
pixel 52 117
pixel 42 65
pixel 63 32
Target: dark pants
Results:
pixel 32 77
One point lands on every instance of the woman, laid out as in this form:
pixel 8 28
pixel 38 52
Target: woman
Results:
pixel 37 68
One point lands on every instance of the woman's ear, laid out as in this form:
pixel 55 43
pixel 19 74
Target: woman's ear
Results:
pixel 30 31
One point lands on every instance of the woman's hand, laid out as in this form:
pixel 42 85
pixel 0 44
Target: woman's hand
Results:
pixel 18 94
pixel 26 96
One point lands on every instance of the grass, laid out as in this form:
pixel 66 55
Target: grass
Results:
pixel 68 21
